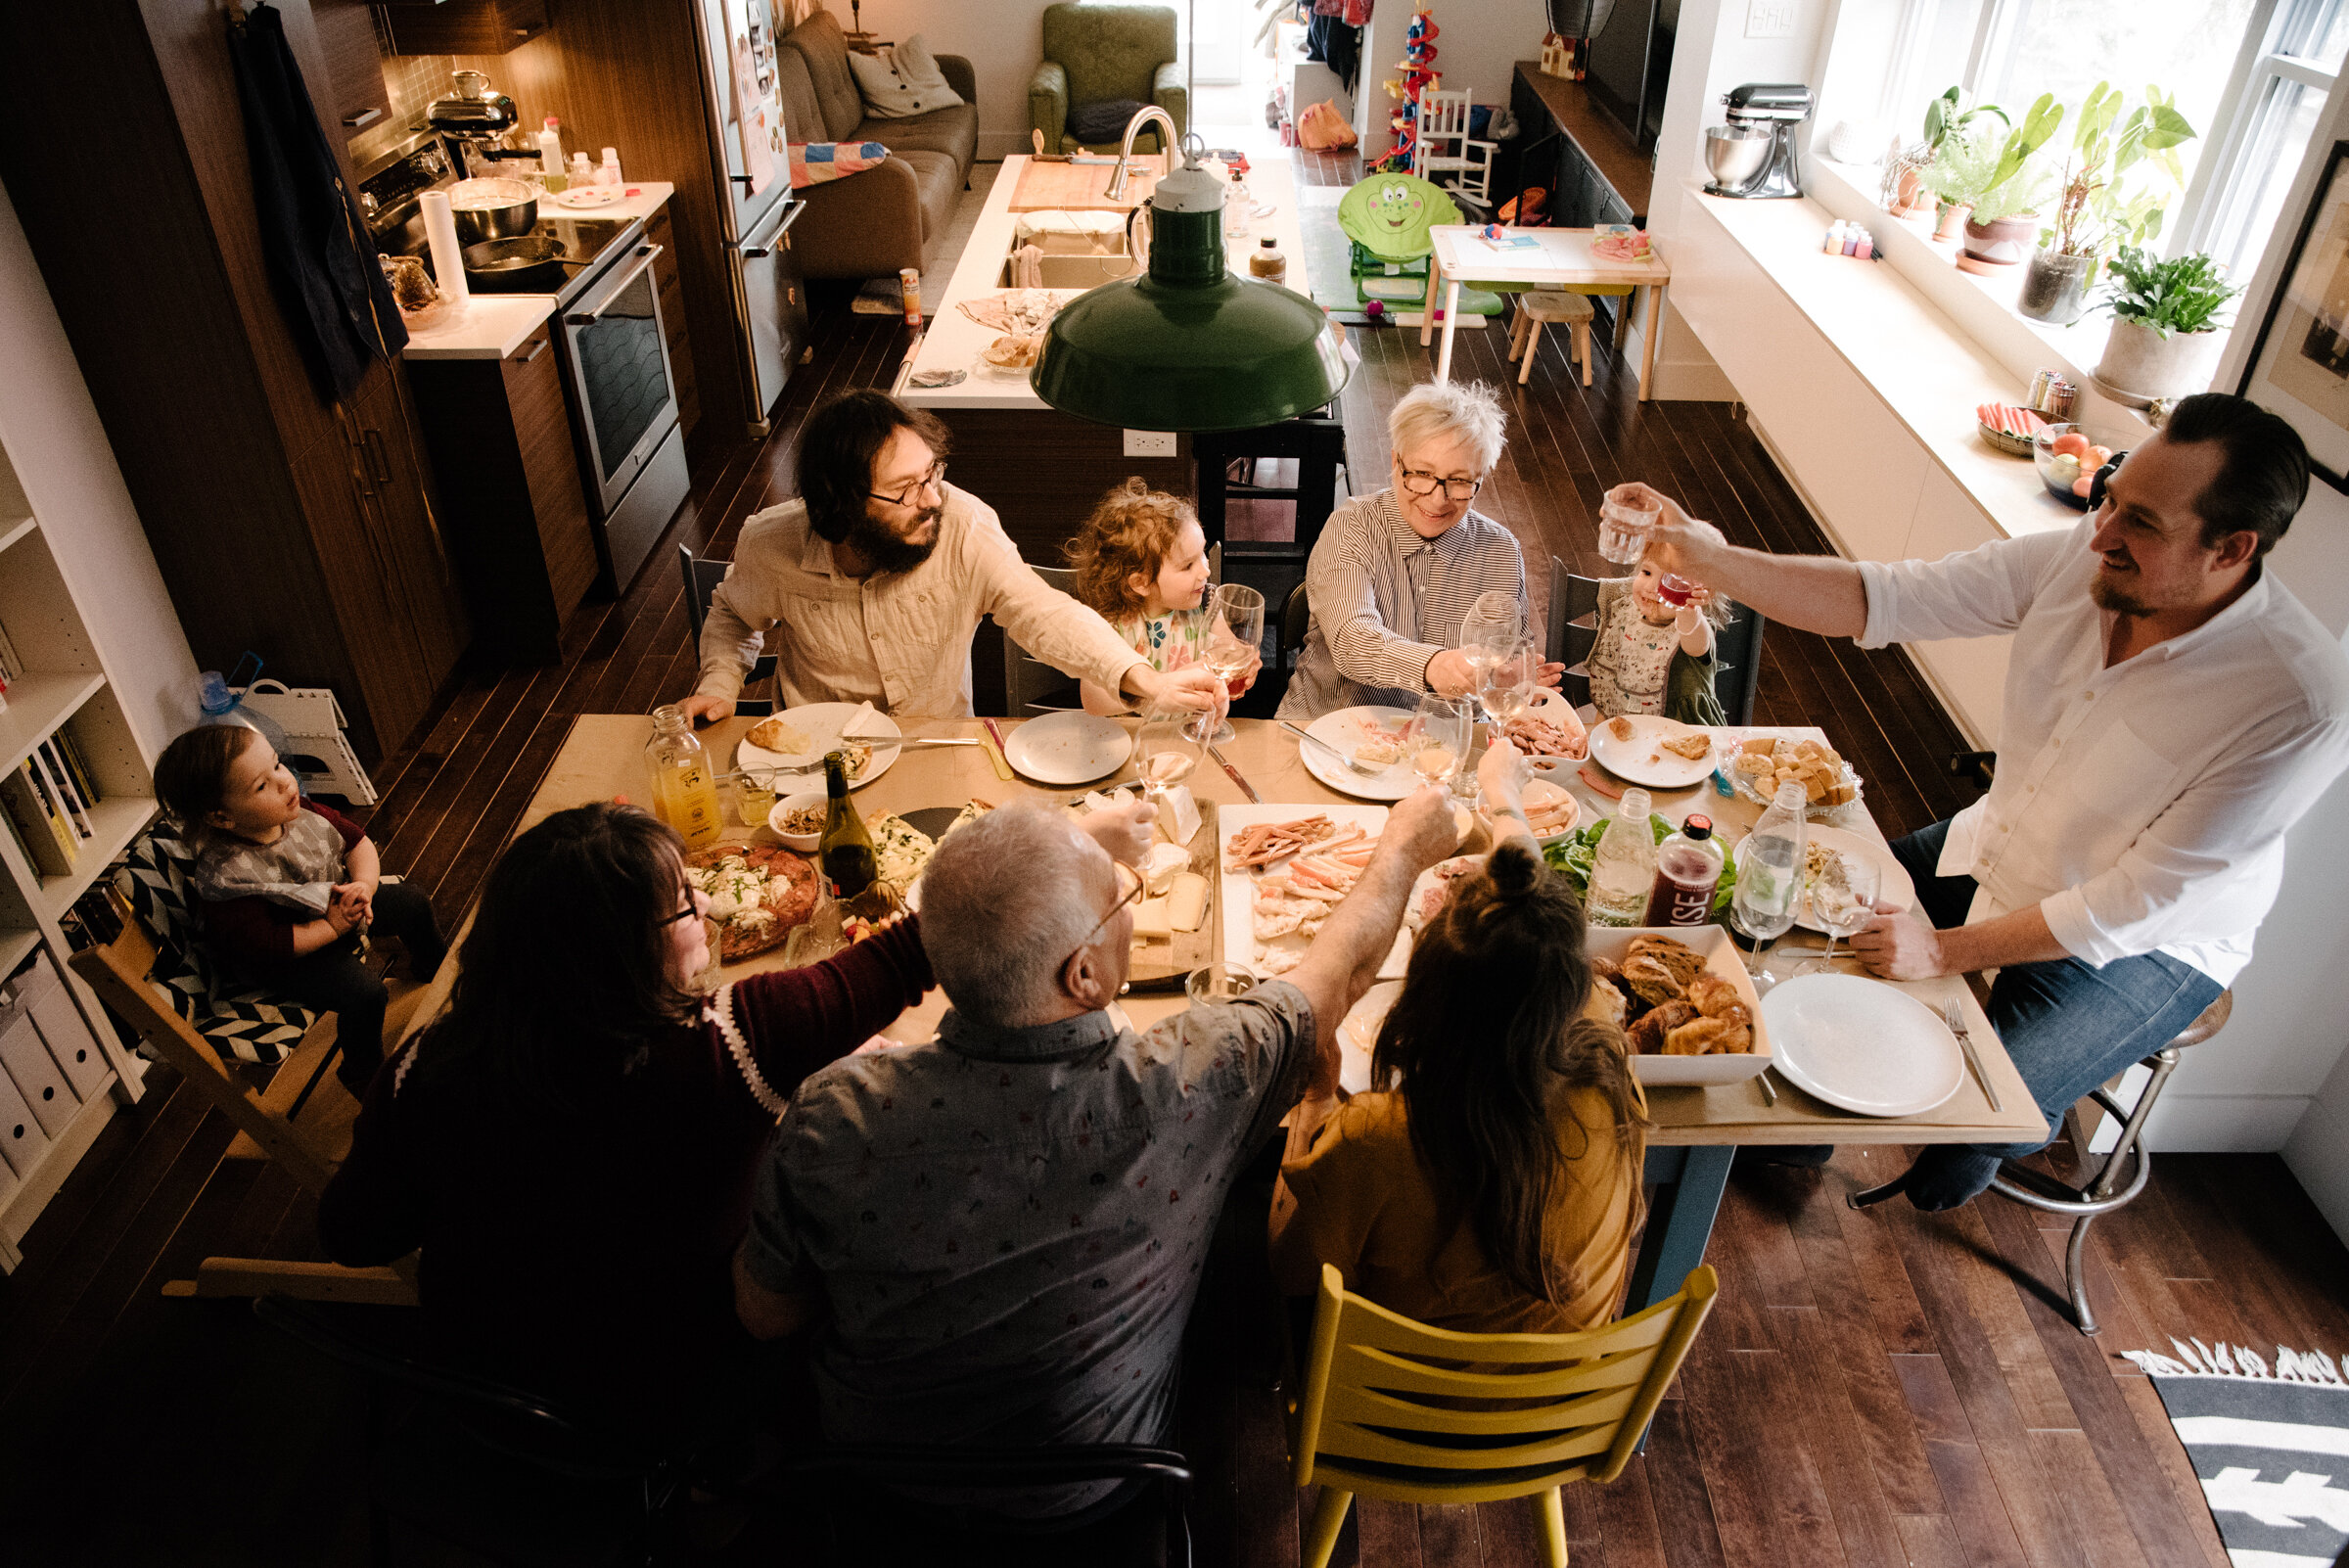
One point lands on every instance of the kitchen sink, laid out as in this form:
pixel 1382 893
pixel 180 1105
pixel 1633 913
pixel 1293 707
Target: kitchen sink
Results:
pixel 1081 250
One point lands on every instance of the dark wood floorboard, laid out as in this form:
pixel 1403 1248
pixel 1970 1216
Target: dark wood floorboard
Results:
pixel 1876 1388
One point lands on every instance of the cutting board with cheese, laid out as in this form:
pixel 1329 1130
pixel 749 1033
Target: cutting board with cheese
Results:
pixel 1174 922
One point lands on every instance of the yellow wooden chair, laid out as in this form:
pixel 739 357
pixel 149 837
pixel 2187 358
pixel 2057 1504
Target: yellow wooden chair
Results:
pixel 1384 1413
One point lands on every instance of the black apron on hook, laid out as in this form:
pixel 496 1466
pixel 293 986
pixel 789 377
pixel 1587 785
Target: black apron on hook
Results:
pixel 320 255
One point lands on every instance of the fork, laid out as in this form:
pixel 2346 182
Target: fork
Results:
pixel 1952 1016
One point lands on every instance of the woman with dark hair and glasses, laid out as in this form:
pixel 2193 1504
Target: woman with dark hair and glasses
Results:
pixel 573 1143
pixel 1393 573
pixel 1491 1185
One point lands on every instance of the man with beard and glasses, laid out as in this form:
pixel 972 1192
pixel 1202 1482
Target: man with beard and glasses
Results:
pixel 871 584
pixel 2169 712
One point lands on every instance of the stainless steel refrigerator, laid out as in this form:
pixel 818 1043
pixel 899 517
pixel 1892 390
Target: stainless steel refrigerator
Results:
pixel 754 208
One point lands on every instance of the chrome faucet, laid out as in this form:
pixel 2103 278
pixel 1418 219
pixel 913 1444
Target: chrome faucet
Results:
pixel 1172 136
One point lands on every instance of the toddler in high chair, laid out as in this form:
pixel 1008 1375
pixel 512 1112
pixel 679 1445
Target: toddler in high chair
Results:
pixel 1140 561
pixel 286 888
pixel 1652 656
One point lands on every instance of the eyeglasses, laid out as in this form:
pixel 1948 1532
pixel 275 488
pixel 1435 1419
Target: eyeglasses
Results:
pixel 1130 881
pixel 934 479
pixel 1418 481
pixel 691 912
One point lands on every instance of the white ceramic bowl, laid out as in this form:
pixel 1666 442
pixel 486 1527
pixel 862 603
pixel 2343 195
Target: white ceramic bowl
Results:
pixel 804 842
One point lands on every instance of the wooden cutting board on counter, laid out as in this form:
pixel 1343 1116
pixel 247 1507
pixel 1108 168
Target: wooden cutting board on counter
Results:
pixel 1079 187
pixel 1189 949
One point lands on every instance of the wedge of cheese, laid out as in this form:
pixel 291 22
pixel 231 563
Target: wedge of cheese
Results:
pixel 1152 922
pixel 1186 903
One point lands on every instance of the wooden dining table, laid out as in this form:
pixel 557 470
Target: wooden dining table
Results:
pixel 1696 1133
pixel 1558 258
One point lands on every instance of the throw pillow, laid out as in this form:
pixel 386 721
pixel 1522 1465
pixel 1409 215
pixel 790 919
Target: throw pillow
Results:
pixel 1093 124
pixel 902 82
pixel 815 163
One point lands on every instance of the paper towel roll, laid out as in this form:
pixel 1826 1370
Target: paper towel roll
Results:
pixel 448 256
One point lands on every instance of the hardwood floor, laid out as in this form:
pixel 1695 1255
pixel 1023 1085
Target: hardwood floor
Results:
pixel 1876 1389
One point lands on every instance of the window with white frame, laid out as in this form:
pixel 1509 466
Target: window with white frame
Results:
pixel 2251 76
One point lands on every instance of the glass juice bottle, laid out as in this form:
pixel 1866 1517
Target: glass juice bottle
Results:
pixel 1687 869
pixel 684 791
pixel 1624 865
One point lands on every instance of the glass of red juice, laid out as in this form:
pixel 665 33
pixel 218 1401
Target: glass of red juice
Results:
pixel 1675 589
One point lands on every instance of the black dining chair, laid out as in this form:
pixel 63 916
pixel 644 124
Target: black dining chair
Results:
pixel 1574 630
pixel 1030 685
pixel 702 577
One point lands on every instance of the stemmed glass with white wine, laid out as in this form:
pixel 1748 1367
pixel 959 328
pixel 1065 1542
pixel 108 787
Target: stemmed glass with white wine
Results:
pixel 1843 903
pixel 1165 751
pixel 1235 638
pixel 1437 740
pixel 1490 629
pixel 1504 687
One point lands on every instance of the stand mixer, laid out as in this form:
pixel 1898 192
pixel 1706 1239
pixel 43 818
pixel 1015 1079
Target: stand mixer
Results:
pixel 1753 154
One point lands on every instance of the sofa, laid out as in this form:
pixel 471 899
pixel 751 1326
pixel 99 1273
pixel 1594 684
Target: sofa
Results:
pixel 885 218
pixel 1097 54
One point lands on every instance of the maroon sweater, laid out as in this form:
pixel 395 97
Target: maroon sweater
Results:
pixel 255 933
pixel 586 1252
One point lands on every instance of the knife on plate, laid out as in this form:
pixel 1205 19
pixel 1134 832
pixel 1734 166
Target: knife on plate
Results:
pixel 1246 788
pixel 995 748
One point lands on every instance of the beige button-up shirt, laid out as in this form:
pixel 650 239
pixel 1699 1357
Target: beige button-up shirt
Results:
pixel 900 640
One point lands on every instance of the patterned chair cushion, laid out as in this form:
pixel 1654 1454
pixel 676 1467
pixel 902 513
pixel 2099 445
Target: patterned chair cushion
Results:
pixel 247 1022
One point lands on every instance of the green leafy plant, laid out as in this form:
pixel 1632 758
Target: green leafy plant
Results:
pixel 1997 177
pixel 2099 208
pixel 1961 167
pixel 1944 118
pixel 2185 294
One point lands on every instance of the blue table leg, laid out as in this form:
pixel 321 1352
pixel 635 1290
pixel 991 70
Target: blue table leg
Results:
pixel 1689 1184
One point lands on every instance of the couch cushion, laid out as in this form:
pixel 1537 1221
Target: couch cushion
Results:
pixel 819 42
pixel 939 180
pixel 802 116
pixel 1109 51
pixel 953 131
pixel 902 82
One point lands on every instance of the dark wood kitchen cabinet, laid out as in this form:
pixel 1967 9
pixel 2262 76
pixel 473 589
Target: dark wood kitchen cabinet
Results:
pixel 284 523
pixel 517 528
pixel 356 97
pixel 461 26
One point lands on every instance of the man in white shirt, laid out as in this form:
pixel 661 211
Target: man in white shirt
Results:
pixel 872 582
pixel 2169 712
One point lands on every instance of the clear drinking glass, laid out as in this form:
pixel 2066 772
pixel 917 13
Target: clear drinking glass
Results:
pixel 1235 637
pixel 1622 524
pixel 1165 751
pixel 1767 891
pixel 1221 981
pixel 1842 910
pixel 1490 629
pixel 1504 687
pixel 1437 740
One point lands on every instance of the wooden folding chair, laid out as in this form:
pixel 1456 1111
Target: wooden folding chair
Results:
pixel 303 1121
pixel 1390 1411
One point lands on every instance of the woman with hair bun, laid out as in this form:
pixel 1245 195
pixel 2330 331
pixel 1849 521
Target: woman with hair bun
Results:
pixel 1494 1186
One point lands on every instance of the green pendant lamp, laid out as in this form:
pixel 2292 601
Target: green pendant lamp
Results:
pixel 1189 346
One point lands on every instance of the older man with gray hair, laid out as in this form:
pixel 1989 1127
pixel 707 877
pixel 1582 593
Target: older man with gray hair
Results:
pixel 1008 1224
pixel 1393 573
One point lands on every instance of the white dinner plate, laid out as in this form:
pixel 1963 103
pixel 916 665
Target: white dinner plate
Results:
pixel 1067 747
pixel 1894 886
pixel 821 723
pixel 1641 758
pixel 1862 1044
pixel 586 198
pixel 1344 729
pixel 1538 791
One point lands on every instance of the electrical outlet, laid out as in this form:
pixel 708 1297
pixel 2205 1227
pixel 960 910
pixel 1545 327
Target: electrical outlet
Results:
pixel 1769 19
pixel 1149 444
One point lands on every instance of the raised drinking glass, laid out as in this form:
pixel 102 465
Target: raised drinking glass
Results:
pixel 1623 524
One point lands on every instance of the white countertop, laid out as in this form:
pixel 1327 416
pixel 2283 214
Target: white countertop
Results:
pixel 953 341
pixel 494 325
pixel 1928 371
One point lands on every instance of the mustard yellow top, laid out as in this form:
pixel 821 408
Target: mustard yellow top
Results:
pixel 1356 1196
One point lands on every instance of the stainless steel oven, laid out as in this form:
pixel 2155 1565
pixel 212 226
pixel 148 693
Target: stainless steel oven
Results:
pixel 626 403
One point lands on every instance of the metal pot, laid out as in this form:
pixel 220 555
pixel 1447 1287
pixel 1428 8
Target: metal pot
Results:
pixel 493 210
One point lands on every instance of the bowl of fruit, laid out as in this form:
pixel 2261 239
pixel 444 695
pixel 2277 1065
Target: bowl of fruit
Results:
pixel 2068 463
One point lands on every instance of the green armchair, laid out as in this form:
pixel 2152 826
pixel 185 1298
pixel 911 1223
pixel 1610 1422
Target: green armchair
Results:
pixel 1096 54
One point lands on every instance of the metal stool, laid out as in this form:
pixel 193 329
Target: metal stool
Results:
pixel 1538 307
pixel 2105 1193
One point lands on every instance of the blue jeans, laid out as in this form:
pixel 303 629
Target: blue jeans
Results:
pixel 2067 1025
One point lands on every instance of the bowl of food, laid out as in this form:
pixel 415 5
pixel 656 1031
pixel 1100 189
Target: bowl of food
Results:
pixel 2068 462
pixel 1012 355
pixel 798 819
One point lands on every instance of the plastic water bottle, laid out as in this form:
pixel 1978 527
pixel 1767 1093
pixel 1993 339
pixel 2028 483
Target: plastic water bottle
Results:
pixel 1772 858
pixel 222 704
pixel 1625 866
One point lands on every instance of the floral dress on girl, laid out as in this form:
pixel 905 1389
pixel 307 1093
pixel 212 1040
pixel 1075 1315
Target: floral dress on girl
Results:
pixel 1630 659
pixel 1169 642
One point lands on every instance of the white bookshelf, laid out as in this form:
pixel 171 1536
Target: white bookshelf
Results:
pixel 105 663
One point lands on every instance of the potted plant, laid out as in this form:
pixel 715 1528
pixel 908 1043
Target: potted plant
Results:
pixel 2094 209
pixel 2006 216
pixel 1911 195
pixel 2164 323
pixel 1958 176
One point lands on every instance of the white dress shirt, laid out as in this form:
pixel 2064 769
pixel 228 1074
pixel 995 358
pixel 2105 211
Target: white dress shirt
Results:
pixel 2142 806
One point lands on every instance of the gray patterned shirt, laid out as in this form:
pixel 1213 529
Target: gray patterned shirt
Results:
pixel 1009 1225
pixel 1386 601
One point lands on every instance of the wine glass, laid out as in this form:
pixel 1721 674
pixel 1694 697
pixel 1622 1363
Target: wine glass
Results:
pixel 1437 740
pixel 1235 637
pixel 1504 687
pixel 1488 631
pixel 1842 905
pixel 1165 752
pixel 1770 880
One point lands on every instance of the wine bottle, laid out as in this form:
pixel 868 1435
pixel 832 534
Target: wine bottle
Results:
pixel 845 853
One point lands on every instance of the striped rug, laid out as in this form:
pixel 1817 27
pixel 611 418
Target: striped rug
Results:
pixel 2270 1446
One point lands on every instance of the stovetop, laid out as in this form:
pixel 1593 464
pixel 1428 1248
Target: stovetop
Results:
pixel 390 194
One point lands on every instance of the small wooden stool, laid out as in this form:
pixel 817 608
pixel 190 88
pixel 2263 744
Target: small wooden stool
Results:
pixel 1539 305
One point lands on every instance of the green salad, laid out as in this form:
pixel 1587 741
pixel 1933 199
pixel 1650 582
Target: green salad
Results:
pixel 1573 854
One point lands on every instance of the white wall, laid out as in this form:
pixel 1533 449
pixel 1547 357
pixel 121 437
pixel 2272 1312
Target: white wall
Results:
pixel 69 473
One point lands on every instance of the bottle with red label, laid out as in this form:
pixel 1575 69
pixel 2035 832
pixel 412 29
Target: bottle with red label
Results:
pixel 1687 869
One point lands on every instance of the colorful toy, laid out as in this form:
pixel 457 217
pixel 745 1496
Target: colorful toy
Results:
pixel 1418 75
